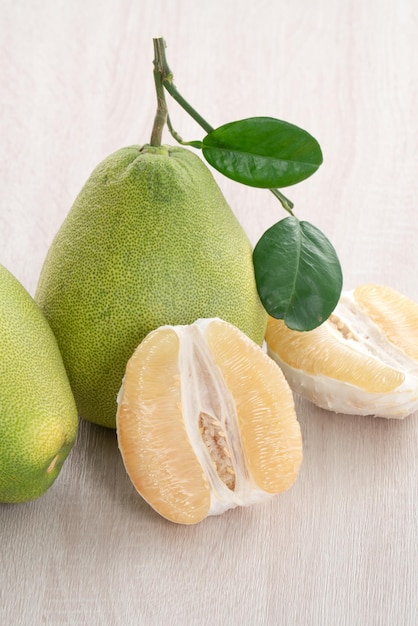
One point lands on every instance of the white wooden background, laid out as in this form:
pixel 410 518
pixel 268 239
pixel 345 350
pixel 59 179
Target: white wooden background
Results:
pixel 339 548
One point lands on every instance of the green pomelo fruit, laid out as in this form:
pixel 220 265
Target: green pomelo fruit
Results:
pixel 38 414
pixel 150 240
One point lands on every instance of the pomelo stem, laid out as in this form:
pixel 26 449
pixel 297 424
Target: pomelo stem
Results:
pixel 161 113
pixel 165 79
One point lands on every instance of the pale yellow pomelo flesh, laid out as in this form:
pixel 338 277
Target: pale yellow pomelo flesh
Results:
pixel 206 422
pixel 149 241
pixel 270 434
pixel 362 360
pixel 38 416
pixel 152 435
pixel 394 313
pixel 324 352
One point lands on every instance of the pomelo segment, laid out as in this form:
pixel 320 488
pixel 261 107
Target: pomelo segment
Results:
pixel 206 422
pixel 152 436
pixel 269 432
pixel 394 313
pixel 363 360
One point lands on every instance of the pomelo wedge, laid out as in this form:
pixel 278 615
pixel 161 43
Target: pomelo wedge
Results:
pixel 363 360
pixel 206 422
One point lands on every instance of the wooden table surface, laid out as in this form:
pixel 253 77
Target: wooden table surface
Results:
pixel 76 83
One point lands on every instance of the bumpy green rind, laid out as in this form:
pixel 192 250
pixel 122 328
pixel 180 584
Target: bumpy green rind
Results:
pixel 150 240
pixel 38 414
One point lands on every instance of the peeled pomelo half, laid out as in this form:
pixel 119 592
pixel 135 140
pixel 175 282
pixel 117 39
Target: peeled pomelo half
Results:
pixel 363 360
pixel 206 422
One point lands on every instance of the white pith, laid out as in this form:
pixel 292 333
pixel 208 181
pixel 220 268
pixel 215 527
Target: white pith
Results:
pixel 369 339
pixel 203 390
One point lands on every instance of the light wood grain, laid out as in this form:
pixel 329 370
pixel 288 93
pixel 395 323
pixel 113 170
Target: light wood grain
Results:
pixel 339 548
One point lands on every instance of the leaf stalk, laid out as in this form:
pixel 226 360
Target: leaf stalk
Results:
pixel 285 202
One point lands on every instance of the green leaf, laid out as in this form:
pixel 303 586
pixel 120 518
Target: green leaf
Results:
pixel 298 274
pixel 262 152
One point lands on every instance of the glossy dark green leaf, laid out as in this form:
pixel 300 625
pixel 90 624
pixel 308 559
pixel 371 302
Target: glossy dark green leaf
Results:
pixel 298 273
pixel 262 152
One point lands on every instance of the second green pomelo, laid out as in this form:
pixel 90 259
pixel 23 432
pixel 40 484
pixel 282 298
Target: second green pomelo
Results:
pixel 38 415
pixel 150 240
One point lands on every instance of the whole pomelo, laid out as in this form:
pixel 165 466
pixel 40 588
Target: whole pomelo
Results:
pixel 38 415
pixel 149 241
